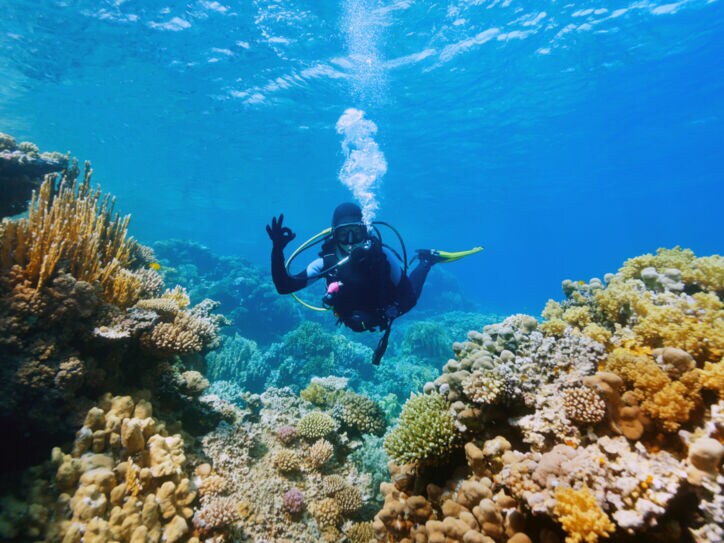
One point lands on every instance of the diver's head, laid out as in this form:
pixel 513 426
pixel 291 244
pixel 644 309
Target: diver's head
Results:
pixel 348 229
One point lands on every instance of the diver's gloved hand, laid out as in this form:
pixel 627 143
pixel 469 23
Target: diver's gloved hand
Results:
pixel 280 235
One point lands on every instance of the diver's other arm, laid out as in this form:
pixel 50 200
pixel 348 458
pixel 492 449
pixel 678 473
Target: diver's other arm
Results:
pixel 281 236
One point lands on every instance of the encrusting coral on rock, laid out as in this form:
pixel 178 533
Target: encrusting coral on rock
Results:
pixel 127 478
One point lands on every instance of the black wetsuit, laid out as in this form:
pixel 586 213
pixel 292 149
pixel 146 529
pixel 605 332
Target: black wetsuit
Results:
pixel 373 292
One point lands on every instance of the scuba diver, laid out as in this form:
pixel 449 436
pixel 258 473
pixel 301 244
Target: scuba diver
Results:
pixel 368 286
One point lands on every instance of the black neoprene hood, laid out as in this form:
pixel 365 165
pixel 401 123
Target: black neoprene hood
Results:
pixel 346 213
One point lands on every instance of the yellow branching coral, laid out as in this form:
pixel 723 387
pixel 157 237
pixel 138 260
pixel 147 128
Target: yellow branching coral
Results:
pixel 706 272
pixel 597 333
pixel 677 257
pixel 554 327
pixel 712 377
pixel 581 516
pixel 76 226
pixel 672 405
pixel 553 310
pixel 668 401
pixel 694 324
pixel 577 316
pixel 618 301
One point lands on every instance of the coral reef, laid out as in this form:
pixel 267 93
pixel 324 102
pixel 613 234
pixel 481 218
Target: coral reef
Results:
pixel 126 478
pixel 602 422
pixel 298 490
pixel 246 293
pixel 72 288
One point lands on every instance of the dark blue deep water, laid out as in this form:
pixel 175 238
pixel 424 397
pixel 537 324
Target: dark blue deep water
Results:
pixel 564 137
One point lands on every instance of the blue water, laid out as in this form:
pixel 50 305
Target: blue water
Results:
pixel 564 137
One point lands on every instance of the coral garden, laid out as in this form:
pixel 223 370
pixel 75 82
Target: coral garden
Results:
pixel 140 410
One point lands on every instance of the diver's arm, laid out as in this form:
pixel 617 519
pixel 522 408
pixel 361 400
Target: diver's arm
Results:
pixel 283 281
pixel 280 236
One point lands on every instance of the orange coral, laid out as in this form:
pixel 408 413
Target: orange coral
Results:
pixel 581 516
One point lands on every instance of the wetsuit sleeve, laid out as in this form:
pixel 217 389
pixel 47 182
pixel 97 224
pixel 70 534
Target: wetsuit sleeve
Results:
pixel 283 281
pixel 395 267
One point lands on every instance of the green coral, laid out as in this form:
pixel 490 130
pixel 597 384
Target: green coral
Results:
pixel 360 532
pixel 362 414
pixel 427 340
pixel 426 432
pixel 321 395
pixel 316 425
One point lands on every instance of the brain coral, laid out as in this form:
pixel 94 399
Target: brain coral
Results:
pixel 426 432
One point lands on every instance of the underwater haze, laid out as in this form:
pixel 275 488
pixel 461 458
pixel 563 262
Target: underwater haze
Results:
pixel 564 137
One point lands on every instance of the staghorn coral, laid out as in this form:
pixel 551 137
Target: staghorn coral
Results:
pixel 425 433
pixel 580 515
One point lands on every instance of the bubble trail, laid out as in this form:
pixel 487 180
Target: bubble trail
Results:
pixel 364 163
